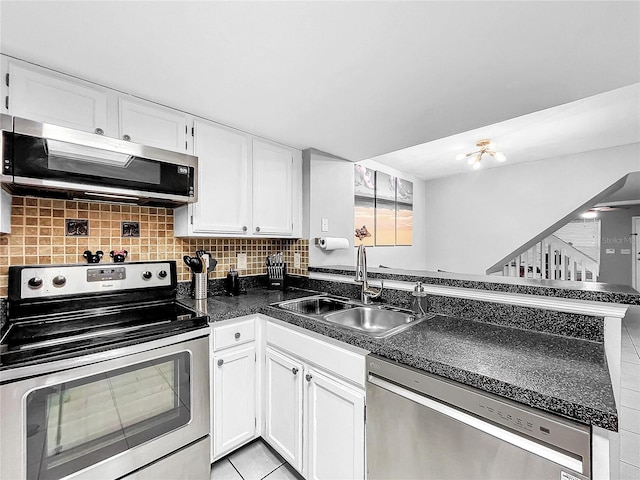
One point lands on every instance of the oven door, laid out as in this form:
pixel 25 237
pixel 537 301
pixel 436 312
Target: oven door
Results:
pixel 106 419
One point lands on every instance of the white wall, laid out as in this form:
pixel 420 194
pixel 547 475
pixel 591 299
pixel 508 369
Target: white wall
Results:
pixel 331 196
pixel 474 220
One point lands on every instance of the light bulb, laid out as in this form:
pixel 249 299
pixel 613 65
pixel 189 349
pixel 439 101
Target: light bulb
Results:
pixel 461 156
pixel 501 157
pixel 476 164
pixel 589 214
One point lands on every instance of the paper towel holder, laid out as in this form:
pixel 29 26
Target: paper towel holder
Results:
pixel 321 243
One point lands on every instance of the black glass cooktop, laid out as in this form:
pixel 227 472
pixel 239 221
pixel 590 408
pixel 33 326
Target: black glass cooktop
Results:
pixel 56 337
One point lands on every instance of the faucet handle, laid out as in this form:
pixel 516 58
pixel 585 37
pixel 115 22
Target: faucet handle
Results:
pixel 372 292
pixel 418 290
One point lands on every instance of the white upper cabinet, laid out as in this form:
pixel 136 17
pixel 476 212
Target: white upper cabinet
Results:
pixel 247 187
pixel 48 97
pixel 273 170
pixel 224 182
pixel 154 125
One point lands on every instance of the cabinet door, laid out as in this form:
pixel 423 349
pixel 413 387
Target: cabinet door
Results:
pixel 223 180
pixel 283 406
pixel 334 429
pixel 153 125
pixel 234 398
pixel 51 98
pixel 272 189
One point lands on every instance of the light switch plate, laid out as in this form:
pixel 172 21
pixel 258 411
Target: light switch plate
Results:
pixel 296 260
pixel 242 261
pixel 324 227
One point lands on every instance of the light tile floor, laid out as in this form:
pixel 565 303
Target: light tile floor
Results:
pixel 257 461
pixel 254 461
pixel 630 397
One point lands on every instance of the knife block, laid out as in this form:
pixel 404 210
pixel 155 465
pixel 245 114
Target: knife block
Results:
pixel 276 276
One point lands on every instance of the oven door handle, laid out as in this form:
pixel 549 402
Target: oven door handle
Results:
pixel 18 373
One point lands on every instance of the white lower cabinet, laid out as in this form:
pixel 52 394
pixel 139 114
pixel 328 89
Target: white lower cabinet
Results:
pixel 283 406
pixel 333 428
pixel 233 384
pixel 310 403
pixel 313 418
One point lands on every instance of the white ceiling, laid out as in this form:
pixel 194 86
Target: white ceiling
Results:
pixel 601 121
pixel 355 79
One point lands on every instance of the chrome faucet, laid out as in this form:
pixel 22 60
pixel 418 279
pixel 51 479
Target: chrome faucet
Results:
pixel 367 293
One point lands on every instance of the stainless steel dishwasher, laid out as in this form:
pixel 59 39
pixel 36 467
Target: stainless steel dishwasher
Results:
pixel 423 426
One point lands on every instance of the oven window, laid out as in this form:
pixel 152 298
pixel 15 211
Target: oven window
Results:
pixel 76 424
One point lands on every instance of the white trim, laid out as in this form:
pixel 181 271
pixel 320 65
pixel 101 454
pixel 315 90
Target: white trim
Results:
pixel 636 254
pixel 584 307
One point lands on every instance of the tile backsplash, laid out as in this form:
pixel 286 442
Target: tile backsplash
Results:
pixel 38 237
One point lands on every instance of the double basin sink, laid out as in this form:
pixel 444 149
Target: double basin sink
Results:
pixel 378 321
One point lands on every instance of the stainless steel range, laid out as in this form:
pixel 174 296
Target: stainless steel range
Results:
pixel 103 375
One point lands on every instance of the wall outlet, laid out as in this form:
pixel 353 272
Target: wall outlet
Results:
pixel 296 260
pixel 324 225
pixel 242 261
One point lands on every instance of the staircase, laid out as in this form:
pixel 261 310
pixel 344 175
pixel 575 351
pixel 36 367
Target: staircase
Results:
pixel 553 259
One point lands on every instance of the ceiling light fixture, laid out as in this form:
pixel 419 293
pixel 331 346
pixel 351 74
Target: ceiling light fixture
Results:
pixel 485 146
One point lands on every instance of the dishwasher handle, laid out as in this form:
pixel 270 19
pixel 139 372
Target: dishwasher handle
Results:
pixel 536 448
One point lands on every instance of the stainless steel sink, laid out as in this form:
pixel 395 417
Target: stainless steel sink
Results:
pixel 317 305
pixel 376 321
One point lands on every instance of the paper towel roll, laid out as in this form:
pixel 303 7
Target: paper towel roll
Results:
pixel 333 243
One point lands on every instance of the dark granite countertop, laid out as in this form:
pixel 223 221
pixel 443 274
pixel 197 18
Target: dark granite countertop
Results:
pixel 594 291
pixel 221 307
pixel 564 376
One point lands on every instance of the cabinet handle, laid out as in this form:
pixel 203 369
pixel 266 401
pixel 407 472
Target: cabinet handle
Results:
pixel 220 362
pixel 237 335
pixel 294 370
pixel 244 229
pixel 99 131
pixel 126 137
pixel 308 377
pixel 257 229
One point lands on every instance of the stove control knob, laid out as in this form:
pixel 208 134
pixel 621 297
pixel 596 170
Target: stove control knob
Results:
pixel 162 274
pixel 59 281
pixel 147 275
pixel 35 282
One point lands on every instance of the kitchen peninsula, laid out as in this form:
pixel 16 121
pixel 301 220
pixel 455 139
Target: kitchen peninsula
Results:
pixel 557 352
